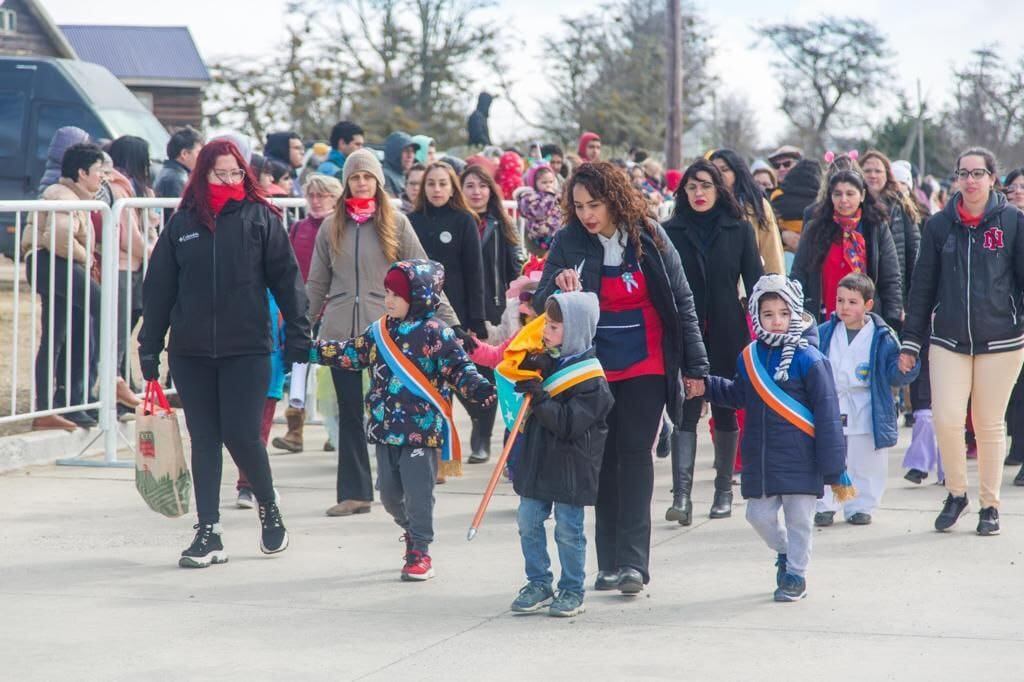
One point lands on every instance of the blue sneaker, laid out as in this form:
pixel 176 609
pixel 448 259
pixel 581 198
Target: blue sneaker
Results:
pixel 793 588
pixel 533 597
pixel 567 604
pixel 780 563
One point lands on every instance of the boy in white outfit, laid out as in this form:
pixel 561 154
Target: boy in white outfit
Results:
pixel 864 354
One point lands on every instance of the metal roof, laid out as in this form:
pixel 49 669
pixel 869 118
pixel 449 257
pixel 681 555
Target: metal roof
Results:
pixel 140 52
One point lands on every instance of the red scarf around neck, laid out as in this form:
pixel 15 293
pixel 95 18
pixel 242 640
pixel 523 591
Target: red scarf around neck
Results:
pixel 360 209
pixel 222 194
pixel 854 248
pixel 965 217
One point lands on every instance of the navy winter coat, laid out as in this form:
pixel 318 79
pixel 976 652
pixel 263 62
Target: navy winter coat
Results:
pixel 779 458
pixel 885 373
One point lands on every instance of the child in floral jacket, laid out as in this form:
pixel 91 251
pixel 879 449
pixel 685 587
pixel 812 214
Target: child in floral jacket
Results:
pixel 415 362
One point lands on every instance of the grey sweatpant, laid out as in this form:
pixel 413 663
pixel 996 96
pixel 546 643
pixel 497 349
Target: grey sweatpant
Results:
pixel 792 538
pixel 405 479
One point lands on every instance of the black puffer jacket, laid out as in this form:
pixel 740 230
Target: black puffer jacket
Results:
pixel 713 270
pixel 966 291
pixel 451 238
pixel 883 269
pixel 565 437
pixel 906 235
pixel 502 263
pixel 210 288
pixel 574 248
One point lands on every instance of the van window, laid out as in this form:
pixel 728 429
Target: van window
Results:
pixel 54 116
pixel 12 122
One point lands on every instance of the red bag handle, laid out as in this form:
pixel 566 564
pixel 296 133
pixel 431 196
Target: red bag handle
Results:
pixel 155 398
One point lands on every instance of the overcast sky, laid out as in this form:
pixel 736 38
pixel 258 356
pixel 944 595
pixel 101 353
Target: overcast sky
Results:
pixel 927 39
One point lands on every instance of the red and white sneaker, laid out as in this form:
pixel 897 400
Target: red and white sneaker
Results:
pixel 417 566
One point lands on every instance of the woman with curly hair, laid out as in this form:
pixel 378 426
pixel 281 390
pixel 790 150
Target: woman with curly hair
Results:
pixel 718 249
pixel 647 336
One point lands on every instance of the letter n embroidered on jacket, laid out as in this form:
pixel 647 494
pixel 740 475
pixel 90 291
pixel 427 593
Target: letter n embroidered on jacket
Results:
pixel 993 239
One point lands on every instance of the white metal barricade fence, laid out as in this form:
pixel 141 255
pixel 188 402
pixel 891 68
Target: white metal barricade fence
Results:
pixel 67 294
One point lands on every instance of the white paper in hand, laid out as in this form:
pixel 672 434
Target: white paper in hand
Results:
pixel 297 393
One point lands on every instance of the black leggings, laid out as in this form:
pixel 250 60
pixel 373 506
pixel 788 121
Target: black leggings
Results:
pixel 354 481
pixel 623 512
pixel 223 399
pixel 82 286
pixel 725 418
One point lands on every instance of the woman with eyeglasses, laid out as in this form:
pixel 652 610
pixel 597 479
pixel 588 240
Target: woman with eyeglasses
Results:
pixel 756 209
pixel 848 233
pixel 207 282
pixel 966 299
pixel 718 248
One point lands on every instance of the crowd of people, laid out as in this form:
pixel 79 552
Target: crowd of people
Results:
pixel 808 301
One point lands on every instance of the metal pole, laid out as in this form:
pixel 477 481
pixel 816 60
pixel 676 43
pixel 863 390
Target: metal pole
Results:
pixel 674 85
pixel 920 131
pixel 108 332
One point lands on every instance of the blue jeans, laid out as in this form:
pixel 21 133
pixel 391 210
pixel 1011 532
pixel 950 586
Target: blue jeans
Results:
pixel 572 543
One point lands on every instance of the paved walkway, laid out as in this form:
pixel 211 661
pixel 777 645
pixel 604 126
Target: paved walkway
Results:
pixel 89 590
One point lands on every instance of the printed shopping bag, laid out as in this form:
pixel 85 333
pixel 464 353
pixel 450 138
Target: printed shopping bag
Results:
pixel 161 473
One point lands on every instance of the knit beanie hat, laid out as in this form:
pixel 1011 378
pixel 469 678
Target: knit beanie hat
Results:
pixel 397 282
pixel 362 160
pixel 793 295
pixel 901 172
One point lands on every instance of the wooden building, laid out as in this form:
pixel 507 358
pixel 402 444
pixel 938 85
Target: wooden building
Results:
pixel 160 64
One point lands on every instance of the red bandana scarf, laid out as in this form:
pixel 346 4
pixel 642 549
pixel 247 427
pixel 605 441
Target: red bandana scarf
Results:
pixel 222 194
pixel 360 210
pixel 854 249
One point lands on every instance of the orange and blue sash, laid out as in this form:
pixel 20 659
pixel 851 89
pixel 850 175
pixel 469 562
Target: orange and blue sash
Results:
pixel 777 400
pixel 417 383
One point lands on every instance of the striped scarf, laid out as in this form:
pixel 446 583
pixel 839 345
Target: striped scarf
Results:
pixel 793 295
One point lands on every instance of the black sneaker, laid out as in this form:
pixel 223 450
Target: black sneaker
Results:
pixel 207 548
pixel 273 536
pixel 606 580
pixel 567 604
pixel 630 581
pixel 533 597
pixel 1018 480
pixel 246 499
pixel 952 509
pixel 823 519
pixel 915 476
pixel 81 418
pixel 780 564
pixel 859 519
pixel 988 521
pixel 793 588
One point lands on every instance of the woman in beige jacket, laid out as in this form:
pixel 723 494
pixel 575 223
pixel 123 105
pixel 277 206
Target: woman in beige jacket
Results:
pixel 354 249
pixel 60 247
pixel 756 207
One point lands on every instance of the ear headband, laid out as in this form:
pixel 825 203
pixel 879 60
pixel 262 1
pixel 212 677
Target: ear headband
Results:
pixel 830 156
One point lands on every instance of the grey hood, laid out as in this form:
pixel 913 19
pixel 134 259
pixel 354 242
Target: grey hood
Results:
pixel 580 311
pixel 393 146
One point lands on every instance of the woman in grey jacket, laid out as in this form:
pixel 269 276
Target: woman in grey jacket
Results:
pixel 353 251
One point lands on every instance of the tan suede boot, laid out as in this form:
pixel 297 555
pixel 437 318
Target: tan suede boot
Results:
pixel 291 441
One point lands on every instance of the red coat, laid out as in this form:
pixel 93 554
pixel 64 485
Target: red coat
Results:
pixel 303 237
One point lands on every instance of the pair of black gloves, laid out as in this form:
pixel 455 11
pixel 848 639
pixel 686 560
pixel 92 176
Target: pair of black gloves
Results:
pixel 540 362
pixel 150 363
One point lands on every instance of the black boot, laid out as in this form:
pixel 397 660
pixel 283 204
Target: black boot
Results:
pixel 684 451
pixel 664 439
pixel 1016 455
pixel 478 452
pixel 725 458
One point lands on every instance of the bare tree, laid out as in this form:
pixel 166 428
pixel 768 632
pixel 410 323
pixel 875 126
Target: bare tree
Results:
pixel 828 68
pixel 734 124
pixel 608 70
pixel 988 107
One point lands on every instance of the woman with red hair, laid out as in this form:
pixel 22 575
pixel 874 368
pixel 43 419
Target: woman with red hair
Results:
pixel 207 282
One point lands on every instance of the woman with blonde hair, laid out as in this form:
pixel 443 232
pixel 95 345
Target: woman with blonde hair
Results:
pixel 353 252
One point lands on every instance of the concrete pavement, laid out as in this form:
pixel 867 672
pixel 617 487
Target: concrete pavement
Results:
pixel 90 590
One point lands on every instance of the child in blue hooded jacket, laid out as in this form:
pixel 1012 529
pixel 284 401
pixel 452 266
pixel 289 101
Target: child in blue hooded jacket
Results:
pixel 864 354
pixel 793 443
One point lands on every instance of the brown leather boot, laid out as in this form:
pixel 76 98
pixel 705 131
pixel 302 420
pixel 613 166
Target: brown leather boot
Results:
pixel 53 422
pixel 291 441
pixel 349 507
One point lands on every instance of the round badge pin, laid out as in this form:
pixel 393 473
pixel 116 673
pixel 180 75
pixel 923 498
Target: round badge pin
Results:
pixel 446 237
